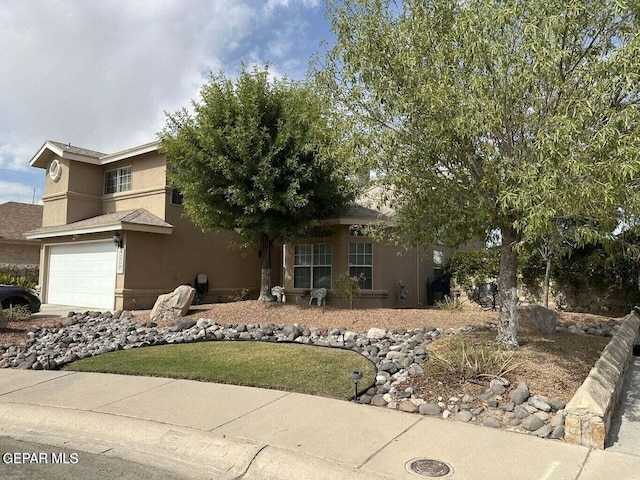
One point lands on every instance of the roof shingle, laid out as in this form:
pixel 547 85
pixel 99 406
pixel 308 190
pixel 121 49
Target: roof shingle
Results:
pixel 17 218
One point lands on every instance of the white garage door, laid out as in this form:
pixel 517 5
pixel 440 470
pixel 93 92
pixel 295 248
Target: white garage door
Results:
pixel 82 274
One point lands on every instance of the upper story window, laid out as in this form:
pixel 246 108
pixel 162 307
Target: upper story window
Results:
pixel 176 197
pixel 118 180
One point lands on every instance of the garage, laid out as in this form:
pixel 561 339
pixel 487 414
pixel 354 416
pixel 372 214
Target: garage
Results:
pixel 82 274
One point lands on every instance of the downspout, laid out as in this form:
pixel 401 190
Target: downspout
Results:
pixel 283 280
pixel 418 288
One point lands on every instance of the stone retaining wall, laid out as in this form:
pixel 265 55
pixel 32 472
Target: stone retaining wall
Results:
pixel 589 412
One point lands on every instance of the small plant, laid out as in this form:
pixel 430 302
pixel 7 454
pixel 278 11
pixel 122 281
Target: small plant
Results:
pixel 449 304
pixel 349 287
pixel 466 359
pixel 7 279
pixel 240 295
pixel 17 313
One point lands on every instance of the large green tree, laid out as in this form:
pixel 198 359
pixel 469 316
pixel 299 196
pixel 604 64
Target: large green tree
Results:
pixel 252 158
pixel 492 116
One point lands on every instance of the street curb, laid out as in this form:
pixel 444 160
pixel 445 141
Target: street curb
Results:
pixel 184 451
pixel 188 452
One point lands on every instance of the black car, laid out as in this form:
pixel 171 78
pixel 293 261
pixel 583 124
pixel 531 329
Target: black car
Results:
pixel 12 296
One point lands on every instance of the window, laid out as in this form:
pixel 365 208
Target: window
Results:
pixel 312 266
pixel 357 231
pixel 176 196
pixel 438 263
pixel 361 263
pixel 118 180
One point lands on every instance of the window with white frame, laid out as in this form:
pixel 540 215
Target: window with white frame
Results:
pixel 361 263
pixel 118 180
pixel 312 266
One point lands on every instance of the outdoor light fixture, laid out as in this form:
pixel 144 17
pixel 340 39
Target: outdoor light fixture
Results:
pixel 356 376
pixel 117 240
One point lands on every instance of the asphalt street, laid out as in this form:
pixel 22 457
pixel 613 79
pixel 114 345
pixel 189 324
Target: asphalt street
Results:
pixel 32 461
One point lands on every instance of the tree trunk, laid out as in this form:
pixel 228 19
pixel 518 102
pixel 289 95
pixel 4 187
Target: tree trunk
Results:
pixel 547 279
pixel 264 253
pixel 508 284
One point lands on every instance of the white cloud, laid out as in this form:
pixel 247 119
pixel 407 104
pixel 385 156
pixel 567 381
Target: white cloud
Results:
pixel 91 73
pixel 17 192
pixel 101 74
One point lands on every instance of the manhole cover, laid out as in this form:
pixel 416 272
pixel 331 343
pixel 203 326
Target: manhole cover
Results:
pixel 428 467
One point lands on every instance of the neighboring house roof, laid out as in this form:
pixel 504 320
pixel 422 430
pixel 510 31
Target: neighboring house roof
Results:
pixel 17 218
pixel 72 152
pixel 133 220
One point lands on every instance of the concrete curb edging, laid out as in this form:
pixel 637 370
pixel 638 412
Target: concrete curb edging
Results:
pixel 184 451
pixel 181 450
pixel 588 413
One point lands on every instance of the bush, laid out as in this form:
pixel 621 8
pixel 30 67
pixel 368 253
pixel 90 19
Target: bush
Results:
pixel 6 279
pixel 348 287
pixel 17 313
pixel 466 358
pixel 449 304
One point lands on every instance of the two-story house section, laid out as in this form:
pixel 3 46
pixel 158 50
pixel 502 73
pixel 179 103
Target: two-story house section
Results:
pixel 114 236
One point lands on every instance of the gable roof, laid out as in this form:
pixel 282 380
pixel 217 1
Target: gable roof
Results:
pixel 17 218
pixel 79 154
pixel 138 219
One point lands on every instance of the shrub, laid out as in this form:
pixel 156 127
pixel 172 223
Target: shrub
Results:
pixel 449 304
pixel 17 313
pixel 7 279
pixel 348 287
pixel 465 358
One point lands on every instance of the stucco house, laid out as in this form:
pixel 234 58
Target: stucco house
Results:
pixel 391 276
pixel 18 255
pixel 113 236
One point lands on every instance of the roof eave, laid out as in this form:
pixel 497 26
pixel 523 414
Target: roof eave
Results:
pixel 120 226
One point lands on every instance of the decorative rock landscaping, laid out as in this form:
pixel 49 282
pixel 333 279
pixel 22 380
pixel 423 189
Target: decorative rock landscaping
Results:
pixel 397 354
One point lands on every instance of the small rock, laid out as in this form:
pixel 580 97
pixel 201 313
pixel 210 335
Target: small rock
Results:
pixel 543 432
pixel 376 333
pixel 463 416
pixel 558 432
pixel 492 422
pixel 430 409
pixel 532 423
pixel 378 401
pixel 519 394
pixel 407 406
pixel 538 403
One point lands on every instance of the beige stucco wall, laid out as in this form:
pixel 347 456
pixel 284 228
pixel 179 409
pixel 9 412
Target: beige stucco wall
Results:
pixel 391 264
pixel 155 263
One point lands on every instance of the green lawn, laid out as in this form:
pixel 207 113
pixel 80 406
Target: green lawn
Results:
pixel 282 366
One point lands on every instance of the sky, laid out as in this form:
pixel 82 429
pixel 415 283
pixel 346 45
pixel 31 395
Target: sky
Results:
pixel 100 74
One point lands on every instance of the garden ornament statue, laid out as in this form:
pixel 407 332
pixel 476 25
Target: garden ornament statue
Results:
pixel 278 292
pixel 319 294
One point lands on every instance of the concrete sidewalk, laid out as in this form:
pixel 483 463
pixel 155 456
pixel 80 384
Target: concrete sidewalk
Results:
pixel 205 430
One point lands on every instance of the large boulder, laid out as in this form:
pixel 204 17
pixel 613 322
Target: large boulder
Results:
pixel 171 306
pixel 544 319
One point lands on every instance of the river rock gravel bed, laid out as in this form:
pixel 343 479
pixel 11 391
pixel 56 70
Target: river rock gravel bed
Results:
pixel 397 354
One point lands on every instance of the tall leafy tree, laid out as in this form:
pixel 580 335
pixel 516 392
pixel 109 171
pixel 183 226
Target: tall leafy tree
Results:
pixel 252 158
pixel 493 116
